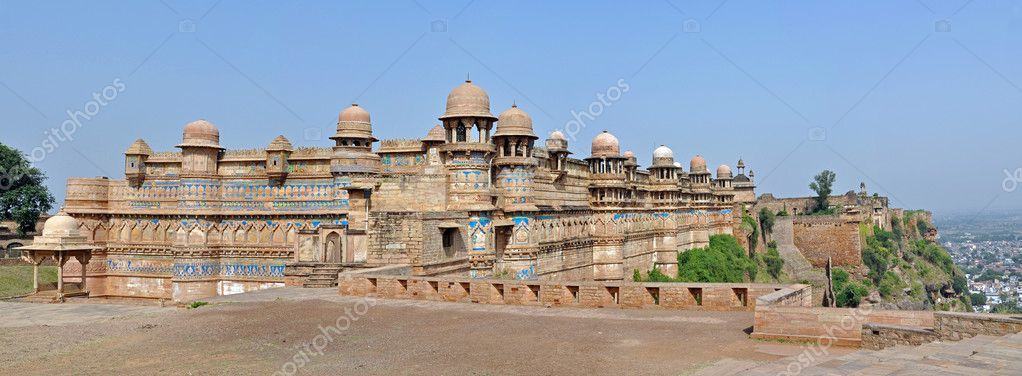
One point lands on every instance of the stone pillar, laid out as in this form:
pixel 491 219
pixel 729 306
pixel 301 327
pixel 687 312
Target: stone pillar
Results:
pixel 60 272
pixel 35 276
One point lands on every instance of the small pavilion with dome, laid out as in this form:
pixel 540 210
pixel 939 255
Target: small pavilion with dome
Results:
pixel 61 241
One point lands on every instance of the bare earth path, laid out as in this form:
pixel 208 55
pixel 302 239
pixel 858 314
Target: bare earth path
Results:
pixel 274 330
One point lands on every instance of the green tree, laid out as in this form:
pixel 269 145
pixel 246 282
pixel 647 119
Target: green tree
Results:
pixel 23 197
pixel 823 185
pixel 978 299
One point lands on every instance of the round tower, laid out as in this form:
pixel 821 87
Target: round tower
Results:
pixel 468 151
pixel 200 150
pixel 467 155
pixel 664 177
pixel 514 164
pixel 353 144
pixel 515 169
pixel 607 187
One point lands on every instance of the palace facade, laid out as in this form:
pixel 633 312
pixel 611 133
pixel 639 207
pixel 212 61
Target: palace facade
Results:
pixel 479 195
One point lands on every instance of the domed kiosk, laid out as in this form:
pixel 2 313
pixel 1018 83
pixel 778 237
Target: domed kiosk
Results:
pixel 61 241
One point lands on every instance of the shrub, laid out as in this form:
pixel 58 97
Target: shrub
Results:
pixel 723 260
pixel 890 284
pixel 750 226
pixel 851 294
pixel 197 304
pixel 774 262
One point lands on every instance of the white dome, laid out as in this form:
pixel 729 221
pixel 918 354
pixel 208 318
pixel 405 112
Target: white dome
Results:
pixel 663 152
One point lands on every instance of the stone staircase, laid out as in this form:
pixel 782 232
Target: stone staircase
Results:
pixel 980 355
pixel 795 264
pixel 323 275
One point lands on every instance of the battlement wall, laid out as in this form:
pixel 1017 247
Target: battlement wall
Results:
pixel 587 294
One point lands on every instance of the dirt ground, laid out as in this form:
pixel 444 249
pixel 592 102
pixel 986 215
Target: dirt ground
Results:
pixel 315 332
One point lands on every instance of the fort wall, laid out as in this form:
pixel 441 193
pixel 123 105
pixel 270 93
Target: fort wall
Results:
pixel 820 237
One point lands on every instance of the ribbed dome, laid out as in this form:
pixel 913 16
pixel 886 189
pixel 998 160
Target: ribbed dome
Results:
pixel 468 100
pixel 698 164
pixel 60 225
pixel 201 133
pixel 723 172
pixel 139 147
pixel 606 145
pixel 741 163
pixel 437 134
pixel 354 122
pixel 280 144
pixel 514 122
pixel 557 135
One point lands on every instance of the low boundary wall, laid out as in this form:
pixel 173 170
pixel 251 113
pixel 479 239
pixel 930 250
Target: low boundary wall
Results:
pixel 789 315
pixel 587 294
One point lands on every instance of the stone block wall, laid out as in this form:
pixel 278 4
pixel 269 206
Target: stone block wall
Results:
pixel 955 325
pixel 880 336
pixel 394 238
pixel 820 237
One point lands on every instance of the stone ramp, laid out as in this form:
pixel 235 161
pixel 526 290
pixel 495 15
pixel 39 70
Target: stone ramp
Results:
pixel 795 264
pixel 981 355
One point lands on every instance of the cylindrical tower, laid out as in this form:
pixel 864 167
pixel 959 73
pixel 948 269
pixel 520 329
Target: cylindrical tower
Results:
pixel 515 170
pixel 467 155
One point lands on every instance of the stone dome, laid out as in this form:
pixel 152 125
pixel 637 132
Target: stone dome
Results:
pixel 557 135
pixel 514 122
pixel 663 156
pixel 698 164
pixel 468 100
pixel 723 171
pixel 354 122
pixel 606 145
pixel 280 144
pixel 663 152
pixel 60 225
pixel 437 134
pixel 629 154
pixel 139 147
pixel 201 133
pixel 677 164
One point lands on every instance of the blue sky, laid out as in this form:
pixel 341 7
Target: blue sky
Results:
pixel 921 99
